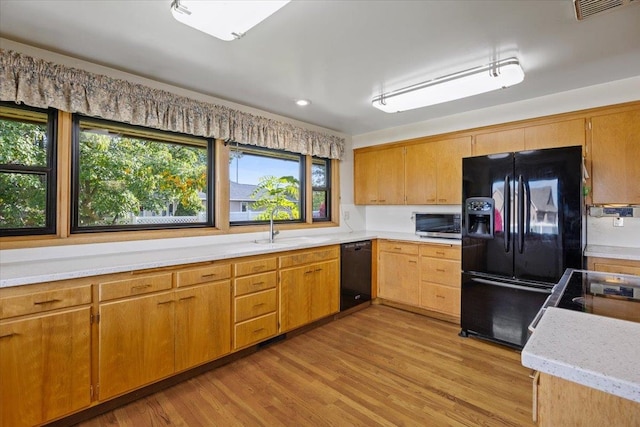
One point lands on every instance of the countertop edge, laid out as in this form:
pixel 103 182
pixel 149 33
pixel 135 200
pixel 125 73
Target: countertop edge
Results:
pixel 124 262
pixel 614 252
pixel 538 354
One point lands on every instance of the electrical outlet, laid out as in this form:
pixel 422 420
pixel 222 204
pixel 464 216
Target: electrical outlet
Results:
pixel 618 222
pixel 345 215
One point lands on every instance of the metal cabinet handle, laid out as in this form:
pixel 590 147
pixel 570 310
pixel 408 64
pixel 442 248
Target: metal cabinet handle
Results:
pixel 166 302
pixel 258 305
pixel 139 287
pixel 258 283
pixel 208 275
pixel 317 269
pixel 186 298
pixel 49 301
pixel 441 270
pixel 258 330
pixel 439 253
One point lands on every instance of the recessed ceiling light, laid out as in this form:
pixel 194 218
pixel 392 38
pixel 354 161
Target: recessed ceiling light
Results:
pixel 302 102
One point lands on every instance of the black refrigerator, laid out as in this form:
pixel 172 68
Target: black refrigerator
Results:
pixel 521 228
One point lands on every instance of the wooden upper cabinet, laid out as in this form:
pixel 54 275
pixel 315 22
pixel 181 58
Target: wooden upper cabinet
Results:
pixel 379 177
pixel 615 158
pixel 552 135
pixel 420 174
pixel 505 141
pixel 449 169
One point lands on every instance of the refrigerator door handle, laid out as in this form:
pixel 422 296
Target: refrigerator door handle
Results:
pixel 511 286
pixel 521 200
pixel 507 213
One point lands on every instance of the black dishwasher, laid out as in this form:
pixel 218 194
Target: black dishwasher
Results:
pixel 355 273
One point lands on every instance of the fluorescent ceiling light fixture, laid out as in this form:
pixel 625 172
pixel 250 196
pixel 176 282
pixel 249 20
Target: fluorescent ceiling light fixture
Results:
pixel 486 78
pixel 302 102
pixel 226 20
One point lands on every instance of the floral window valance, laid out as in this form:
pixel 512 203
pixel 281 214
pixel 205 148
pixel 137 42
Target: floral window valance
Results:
pixel 43 84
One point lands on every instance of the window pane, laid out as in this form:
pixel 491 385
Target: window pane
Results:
pixel 262 181
pixel 319 173
pixel 23 142
pixel 320 182
pixel 23 200
pixel 132 181
pixel 319 204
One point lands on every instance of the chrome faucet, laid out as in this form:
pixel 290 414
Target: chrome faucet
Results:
pixel 272 232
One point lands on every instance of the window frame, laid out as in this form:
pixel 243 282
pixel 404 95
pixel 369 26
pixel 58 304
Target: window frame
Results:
pixel 326 188
pixel 146 134
pixel 49 171
pixel 302 184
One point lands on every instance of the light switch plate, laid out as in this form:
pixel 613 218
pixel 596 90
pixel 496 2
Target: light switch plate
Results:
pixel 618 222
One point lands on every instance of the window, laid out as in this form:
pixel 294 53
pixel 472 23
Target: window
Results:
pixel 321 189
pixel 127 177
pixel 262 181
pixel 27 170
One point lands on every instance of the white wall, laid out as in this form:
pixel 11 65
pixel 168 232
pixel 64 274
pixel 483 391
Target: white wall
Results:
pixel 599 230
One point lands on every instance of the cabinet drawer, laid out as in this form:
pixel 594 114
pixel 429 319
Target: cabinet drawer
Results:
pixel 255 330
pixel 255 283
pixel 38 302
pixel 398 247
pixel 210 273
pixel 134 286
pixel 253 305
pixel 255 266
pixel 441 251
pixel 307 257
pixel 440 298
pixel 615 268
pixel 442 271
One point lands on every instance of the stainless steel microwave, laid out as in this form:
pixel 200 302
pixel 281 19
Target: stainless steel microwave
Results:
pixel 442 225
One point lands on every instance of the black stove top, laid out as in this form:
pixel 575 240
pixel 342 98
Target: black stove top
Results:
pixel 608 294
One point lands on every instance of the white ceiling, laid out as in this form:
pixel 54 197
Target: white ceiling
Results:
pixel 340 54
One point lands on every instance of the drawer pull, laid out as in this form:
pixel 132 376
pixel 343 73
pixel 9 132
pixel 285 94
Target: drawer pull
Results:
pixel 439 253
pixel 439 296
pixel 8 335
pixel 49 301
pixel 259 267
pixel 441 270
pixel 308 272
pixel 186 298
pixel 258 305
pixel 258 283
pixel 397 248
pixel 140 287
pixel 318 269
pixel 257 331
pixel 413 262
pixel 165 302
pixel 204 276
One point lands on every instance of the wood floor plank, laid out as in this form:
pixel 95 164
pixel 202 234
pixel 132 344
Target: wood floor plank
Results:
pixel 377 367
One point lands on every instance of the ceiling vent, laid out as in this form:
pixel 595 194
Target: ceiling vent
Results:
pixel 587 8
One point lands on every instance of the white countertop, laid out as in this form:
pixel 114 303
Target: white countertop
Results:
pixel 15 271
pixel 617 252
pixel 595 351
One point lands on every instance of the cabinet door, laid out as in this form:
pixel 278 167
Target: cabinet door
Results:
pixel 136 343
pixel 553 135
pixel 365 178
pixel 390 165
pixel 421 174
pixel 449 168
pixel 45 367
pixel 325 290
pixel 398 278
pixel 203 324
pixel 614 162
pixel 505 141
pixel 294 297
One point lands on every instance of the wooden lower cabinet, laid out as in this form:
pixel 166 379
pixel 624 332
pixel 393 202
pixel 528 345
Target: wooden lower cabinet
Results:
pixel 45 367
pixel 309 289
pixel 136 343
pixel 398 277
pixel 559 402
pixel 203 324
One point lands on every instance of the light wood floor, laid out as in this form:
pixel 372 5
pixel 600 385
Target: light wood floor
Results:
pixel 377 367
